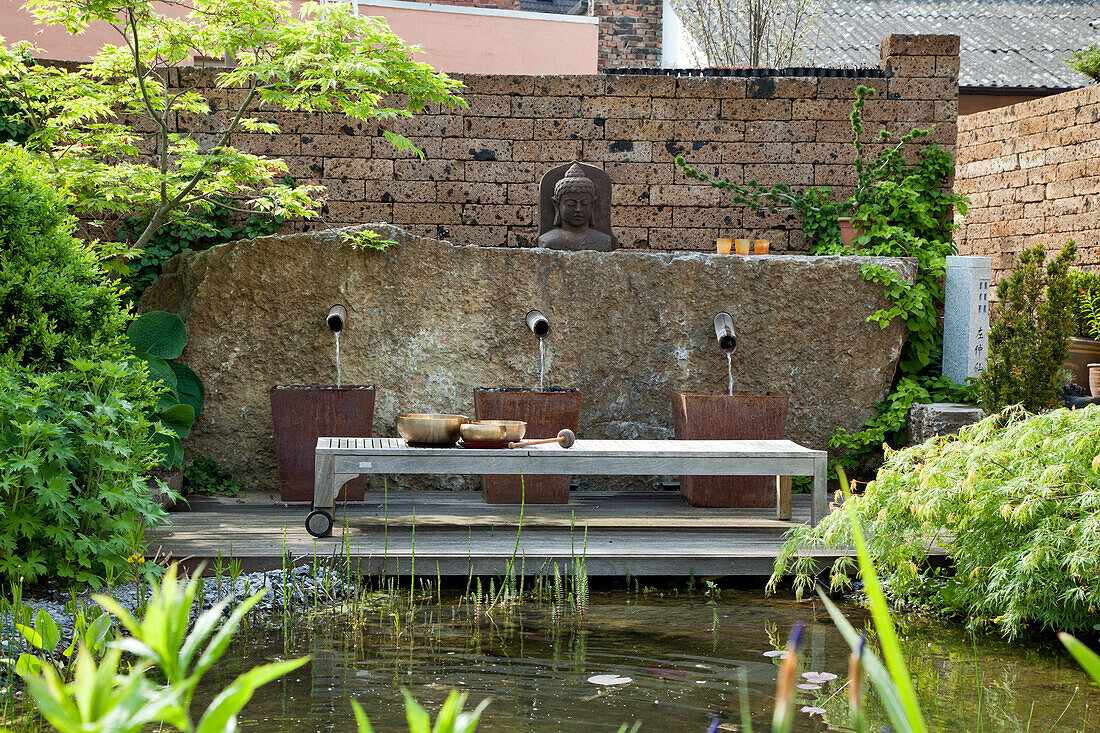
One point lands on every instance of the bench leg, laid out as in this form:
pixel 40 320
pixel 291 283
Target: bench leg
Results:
pixel 783 497
pixel 818 499
pixel 324 475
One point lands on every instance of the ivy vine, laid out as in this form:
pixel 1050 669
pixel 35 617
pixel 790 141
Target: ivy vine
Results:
pixel 902 207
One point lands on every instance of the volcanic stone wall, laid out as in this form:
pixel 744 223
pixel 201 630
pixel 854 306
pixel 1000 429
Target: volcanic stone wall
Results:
pixel 478 181
pixel 1032 172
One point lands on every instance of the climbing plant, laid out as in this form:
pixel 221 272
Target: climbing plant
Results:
pixel 901 207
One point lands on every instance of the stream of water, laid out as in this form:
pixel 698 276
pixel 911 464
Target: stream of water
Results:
pixel 542 364
pixel 684 658
pixel 729 363
pixel 337 334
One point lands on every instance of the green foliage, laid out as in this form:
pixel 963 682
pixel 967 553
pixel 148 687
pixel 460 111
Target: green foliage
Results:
pixel 55 302
pixel 1029 339
pixel 1086 61
pixel 900 208
pixel 1086 303
pixel 319 58
pixel 74 443
pixel 204 476
pixel 75 449
pixel 451 719
pixel 1013 500
pixel 203 231
pixel 155 337
pixel 109 696
pixel 368 239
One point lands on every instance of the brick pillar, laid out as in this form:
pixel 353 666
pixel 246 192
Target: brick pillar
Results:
pixel 630 33
pixel 925 69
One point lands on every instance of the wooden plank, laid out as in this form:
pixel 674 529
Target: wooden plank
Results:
pixel 464 461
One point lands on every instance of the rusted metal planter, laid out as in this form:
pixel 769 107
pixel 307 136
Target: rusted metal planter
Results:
pixel 718 416
pixel 545 414
pixel 303 414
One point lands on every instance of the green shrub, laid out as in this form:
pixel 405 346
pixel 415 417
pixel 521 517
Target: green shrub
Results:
pixel 1087 62
pixel 204 476
pixel 54 299
pixel 75 446
pixel 1029 338
pixel 75 451
pixel 1013 500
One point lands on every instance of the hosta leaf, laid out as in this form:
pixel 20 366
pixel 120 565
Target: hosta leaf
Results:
pixel 189 388
pixel 159 333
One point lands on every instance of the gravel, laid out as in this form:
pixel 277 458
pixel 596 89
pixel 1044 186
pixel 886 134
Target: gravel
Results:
pixel 298 591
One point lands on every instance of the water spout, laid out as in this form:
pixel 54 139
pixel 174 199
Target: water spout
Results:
pixel 723 331
pixel 538 324
pixel 727 341
pixel 337 316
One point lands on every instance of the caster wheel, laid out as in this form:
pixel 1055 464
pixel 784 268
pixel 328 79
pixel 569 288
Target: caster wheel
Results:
pixel 319 523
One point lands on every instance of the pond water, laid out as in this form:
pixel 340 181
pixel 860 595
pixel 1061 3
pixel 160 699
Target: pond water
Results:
pixel 684 669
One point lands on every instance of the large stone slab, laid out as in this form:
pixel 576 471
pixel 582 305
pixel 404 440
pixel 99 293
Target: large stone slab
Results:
pixel 428 321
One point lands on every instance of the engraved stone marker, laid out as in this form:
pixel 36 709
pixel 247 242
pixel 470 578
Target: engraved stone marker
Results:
pixel 966 317
pixel 575 209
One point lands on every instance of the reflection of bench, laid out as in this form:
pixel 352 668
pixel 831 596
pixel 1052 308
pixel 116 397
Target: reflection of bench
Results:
pixel 339 460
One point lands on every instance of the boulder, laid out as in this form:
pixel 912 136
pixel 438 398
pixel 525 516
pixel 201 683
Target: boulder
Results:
pixel 932 419
pixel 429 321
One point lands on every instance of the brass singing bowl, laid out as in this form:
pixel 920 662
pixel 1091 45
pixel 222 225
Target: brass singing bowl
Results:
pixel 431 428
pixel 516 428
pixel 484 432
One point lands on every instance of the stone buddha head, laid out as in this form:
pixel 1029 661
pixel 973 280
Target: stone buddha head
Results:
pixel 575 200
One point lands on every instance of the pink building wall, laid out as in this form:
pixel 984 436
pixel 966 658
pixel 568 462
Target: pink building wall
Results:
pixel 453 38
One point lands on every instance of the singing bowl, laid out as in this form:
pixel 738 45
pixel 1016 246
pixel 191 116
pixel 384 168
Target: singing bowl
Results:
pixel 484 432
pixel 431 428
pixel 516 429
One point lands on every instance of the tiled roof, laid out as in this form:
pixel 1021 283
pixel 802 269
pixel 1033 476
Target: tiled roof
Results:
pixel 1004 43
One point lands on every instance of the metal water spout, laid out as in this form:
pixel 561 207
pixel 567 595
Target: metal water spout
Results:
pixel 336 317
pixel 723 331
pixel 538 324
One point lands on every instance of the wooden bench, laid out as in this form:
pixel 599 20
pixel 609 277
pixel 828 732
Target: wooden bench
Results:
pixel 339 460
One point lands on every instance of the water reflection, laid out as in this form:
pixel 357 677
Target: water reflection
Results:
pixel 684 670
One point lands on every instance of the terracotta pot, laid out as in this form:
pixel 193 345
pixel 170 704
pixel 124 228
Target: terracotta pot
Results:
pixel 718 416
pixel 545 414
pixel 848 232
pixel 1094 380
pixel 1082 352
pixel 303 414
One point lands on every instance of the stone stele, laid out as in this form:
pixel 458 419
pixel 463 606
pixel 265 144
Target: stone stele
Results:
pixel 429 321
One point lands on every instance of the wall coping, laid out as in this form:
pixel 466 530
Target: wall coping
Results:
pixel 466 10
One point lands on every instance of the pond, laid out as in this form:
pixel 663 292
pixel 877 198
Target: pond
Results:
pixel 684 655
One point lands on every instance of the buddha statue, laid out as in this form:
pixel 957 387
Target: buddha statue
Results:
pixel 575 203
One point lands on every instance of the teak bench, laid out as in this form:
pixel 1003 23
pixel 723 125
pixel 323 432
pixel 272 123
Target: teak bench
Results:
pixel 339 460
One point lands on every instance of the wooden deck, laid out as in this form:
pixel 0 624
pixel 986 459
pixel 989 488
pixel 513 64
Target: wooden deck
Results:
pixel 635 533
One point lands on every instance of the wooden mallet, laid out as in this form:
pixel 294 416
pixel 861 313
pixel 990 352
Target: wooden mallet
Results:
pixel 566 438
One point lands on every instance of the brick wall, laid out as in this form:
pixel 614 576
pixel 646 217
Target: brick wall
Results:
pixel 630 33
pixel 479 179
pixel 1032 172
